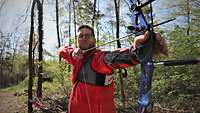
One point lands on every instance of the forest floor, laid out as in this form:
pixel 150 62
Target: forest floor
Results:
pixel 11 103
pixel 15 102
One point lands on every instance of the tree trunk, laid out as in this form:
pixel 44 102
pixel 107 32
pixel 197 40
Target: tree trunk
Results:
pixel 57 26
pixel 69 33
pixel 74 9
pixel 40 48
pixel 31 71
pixel 188 17
pixel 94 13
pixel 117 4
pixel 2 4
pixel 97 22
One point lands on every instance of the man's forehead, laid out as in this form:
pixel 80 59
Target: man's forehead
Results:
pixel 84 30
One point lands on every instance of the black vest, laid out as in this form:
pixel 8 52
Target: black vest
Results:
pixel 88 75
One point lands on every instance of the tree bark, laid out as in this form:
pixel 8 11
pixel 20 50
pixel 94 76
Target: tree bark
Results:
pixel 69 33
pixel 117 12
pixel 31 71
pixel 2 4
pixel 57 27
pixel 74 10
pixel 94 13
pixel 188 17
pixel 40 48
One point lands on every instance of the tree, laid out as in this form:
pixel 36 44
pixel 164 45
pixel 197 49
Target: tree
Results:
pixel 69 29
pixel 94 13
pixel 40 48
pixel 75 23
pixel 57 26
pixel 2 4
pixel 40 57
pixel 117 12
pixel 188 10
pixel 31 71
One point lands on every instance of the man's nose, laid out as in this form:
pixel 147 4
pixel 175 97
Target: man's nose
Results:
pixel 84 37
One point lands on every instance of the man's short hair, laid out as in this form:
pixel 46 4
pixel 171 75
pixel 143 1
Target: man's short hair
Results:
pixel 88 27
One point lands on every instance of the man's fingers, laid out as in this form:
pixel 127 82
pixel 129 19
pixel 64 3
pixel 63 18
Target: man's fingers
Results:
pixel 160 45
pixel 146 35
pixel 160 39
pixel 140 39
pixel 77 53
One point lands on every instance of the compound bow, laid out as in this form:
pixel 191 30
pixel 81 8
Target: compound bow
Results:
pixel 145 51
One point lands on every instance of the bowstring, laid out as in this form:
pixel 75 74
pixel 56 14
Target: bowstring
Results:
pixel 87 94
pixel 89 105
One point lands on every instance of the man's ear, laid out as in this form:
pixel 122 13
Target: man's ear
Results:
pixel 93 40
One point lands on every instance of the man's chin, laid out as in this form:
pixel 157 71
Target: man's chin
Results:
pixel 84 48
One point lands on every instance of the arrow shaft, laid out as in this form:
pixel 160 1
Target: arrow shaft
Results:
pixel 110 42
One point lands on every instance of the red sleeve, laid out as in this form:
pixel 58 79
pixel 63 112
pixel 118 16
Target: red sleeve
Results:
pixel 99 65
pixel 66 53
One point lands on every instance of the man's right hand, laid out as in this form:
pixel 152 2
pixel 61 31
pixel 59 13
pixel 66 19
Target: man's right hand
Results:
pixel 77 54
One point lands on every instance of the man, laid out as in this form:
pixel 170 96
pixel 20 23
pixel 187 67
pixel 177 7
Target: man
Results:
pixel 92 79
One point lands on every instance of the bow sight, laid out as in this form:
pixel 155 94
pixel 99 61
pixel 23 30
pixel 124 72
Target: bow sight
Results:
pixel 139 6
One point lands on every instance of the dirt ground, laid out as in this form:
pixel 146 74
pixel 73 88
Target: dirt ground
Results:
pixel 9 103
pixel 13 103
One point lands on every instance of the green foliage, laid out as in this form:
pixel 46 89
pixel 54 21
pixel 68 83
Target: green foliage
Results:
pixel 60 73
pixel 182 45
pixel 84 11
pixel 19 88
pixel 13 70
pixel 174 86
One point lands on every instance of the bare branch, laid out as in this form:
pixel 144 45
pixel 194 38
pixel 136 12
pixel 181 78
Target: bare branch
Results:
pixel 2 4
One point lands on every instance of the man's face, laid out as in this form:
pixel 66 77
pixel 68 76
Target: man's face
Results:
pixel 85 39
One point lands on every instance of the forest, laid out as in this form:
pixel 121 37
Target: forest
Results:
pixel 34 79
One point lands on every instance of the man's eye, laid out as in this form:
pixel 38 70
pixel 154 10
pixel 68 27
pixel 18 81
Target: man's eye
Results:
pixel 86 35
pixel 80 36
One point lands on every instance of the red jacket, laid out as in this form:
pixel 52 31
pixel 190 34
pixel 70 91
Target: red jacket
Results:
pixel 86 98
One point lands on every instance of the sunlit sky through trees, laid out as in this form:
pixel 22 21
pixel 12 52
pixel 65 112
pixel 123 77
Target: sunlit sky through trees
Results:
pixel 15 18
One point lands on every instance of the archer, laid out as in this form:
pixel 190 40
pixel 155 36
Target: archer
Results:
pixel 92 76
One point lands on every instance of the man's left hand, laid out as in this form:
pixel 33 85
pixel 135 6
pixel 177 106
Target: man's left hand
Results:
pixel 160 44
